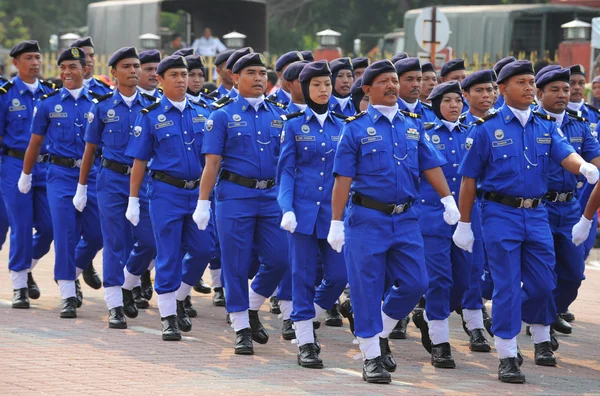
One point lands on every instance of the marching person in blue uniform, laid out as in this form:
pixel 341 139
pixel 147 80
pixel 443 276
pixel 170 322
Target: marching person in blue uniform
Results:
pixel 410 78
pixel 18 98
pixel 379 158
pixel 242 141
pixel 231 61
pixel 428 82
pixel 61 117
pixel 283 95
pixel 308 138
pixel 290 76
pixel 479 92
pixel 455 70
pixel 110 124
pixel 507 167
pixel 90 82
pixel 343 78
pixel 226 80
pixel 196 80
pixel 497 68
pixel 148 84
pixel 359 99
pixel 359 65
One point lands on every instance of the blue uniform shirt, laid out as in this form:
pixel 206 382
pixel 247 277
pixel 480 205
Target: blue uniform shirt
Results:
pixel 305 168
pixel 280 96
pixel 98 87
pixel 169 139
pixel 469 118
pixel 511 160
pixel 222 91
pixel 499 102
pixel 592 115
pixel 292 108
pixel 335 107
pixel 424 110
pixel 385 159
pixel 16 112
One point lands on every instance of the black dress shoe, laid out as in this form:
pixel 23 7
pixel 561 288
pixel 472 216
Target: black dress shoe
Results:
pixel 259 334
pixel 202 287
pixel 333 317
pixel 345 310
pixel 562 326
pixel 78 293
pixel 170 330
pixel 544 355
pixel 420 305
pixel 34 290
pixel 20 298
pixel 183 320
pixel 243 342
pixel 309 357
pixel 189 308
pixel 568 316
pixel 509 371
pixel 519 357
pixel 129 307
pixel 219 297
pixel 274 306
pixel 399 332
pixel 287 330
pixel 464 324
pixel 375 373
pixel 441 356
pixel 554 340
pixel 147 289
pixel 140 302
pixel 116 318
pixel 228 318
pixel 478 342
pixel 419 321
pixel 69 308
pixel 387 359
pixel 487 321
pixel 91 278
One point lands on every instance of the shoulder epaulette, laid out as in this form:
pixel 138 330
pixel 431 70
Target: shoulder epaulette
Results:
pixel 153 106
pixel 102 98
pixel 199 103
pixel 338 115
pixel 272 96
pixel 280 105
pixel 287 117
pixel 409 114
pixel 160 90
pixel 597 110
pixel 462 118
pixel 576 115
pixel 94 94
pixel 214 94
pixel 49 84
pixel 225 101
pixel 4 89
pixel 46 96
pixel 544 116
pixel 426 105
pixel 206 96
pixel 111 87
pixel 428 125
pixel 146 96
pixel 487 117
pixel 355 116
pixel 464 126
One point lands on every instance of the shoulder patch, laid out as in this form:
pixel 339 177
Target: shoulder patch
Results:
pixel 544 116
pixel 102 98
pixel 111 87
pixel 280 105
pixel 147 110
pixel 199 103
pixel 49 94
pixel 225 100
pixel 338 115
pixel 214 94
pixel 94 94
pixel 4 89
pixel 354 117
pixel 487 117
pixel 592 107
pixel 145 96
pixel 574 116
pixel 287 117
pixel 49 84
pixel 428 125
pixel 409 114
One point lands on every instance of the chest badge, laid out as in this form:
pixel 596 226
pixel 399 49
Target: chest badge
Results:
pixel 161 118
pixel 499 134
pixel 58 108
pixel 110 113
pixel 435 139
pixel 305 128
pixel 236 117
pixel 15 102
pixel 371 131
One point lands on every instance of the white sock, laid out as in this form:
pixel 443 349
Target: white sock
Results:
pixel 319 312
pixel 369 347
pixel 67 289
pixel 439 331
pixel 286 308
pixel 304 332
pixel 183 291
pixel 473 318
pixel 131 280
pixel 18 279
pixel 539 333
pixel 256 300
pixel 113 296
pixel 239 320
pixel 167 305
pixel 388 325
pixel 506 348
pixel 151 265
pixel 78 271
pixel 33 264
pixel 215 275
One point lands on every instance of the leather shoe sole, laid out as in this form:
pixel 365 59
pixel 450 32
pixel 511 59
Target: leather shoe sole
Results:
pixel 376 380
pixel 171 337
pixel 313 365
pixel 244 351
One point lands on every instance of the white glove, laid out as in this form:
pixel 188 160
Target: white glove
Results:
pixel 288 222
pixel 590 172
pixel 581 230
pixel 336 235
pixel 24 183
pixel 133 211
pixel 451 214
pixel 463 236
pixel 80 198
pixel 201 215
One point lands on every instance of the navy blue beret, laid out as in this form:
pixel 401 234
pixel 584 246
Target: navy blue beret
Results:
pixel 478 77
pixel 545 70
pixel 444 88
pixel 233 58
pixel 184 52
pixel 194 61
pixel 399 56
pixel 577 69
pixel 315 69
pixel 503 62
pixel 340 64
pixel 308 56
pixel 222 57
pixel 453 65
pixel 149 56
pixel 407 65
pixel 292 72
pixel 361 62
pixel 71 54
pixel 82 42
pixel 427 67
pixel 25 46
pixel 251 59
pixel 515 68
pixel 377 68
pixel 123 53
pixel 549 76
pixel 171 62
pixel 357 87
pixel 286 59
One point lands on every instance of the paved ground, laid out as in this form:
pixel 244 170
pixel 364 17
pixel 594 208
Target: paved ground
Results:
pixel 42 354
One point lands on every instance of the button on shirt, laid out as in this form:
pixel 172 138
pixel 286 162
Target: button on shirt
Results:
pixel 385 159
pixel 16 113
pixel 170 140
pixel 513 160
pixel 304 171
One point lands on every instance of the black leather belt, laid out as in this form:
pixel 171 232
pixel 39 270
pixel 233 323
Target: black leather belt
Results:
pixel 390 209
pixel 247 182
pixel 66 162
pixel 21 155
pixel 515 202
pixel 163 177
pixel 555 196
pixel 116 167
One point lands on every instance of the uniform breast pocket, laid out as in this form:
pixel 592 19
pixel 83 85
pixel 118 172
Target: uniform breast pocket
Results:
pixel 505 159
pixel 198 136
pixel 61 131
pixel 306 150
pixel 168 141
pixel 17 124
pixel 543 158
pixel 275 144
pixel 239 141
pixel 374 156
pixel 115 136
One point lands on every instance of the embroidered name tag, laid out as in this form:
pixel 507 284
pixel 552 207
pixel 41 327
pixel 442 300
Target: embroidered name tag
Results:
pixel 576 140
pixel 58 115
pixel 301 138
pixel 335 138
pixel 276 124
pixel 501 143
pixel 238 124
pixel 109 120
pixel 544 140
pixel 163 124
pixel 440 146
pixel 371 139
pixel 16 108
pixel 198 119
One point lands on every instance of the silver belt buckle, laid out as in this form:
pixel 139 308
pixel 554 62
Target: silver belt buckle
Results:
pixel 262 184
pixel 128 170
pixel 77 164
pixel 399 208
pixel 562 197
pixel 189 185
pixel 40 158
pixel 527 203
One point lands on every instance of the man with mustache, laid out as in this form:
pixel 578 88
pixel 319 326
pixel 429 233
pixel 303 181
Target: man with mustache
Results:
pixel 410 76
pixel 148 83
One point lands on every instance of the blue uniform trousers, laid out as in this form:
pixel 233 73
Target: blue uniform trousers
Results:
pixel 25 212
pixel 284 290
pixel 3 221
pixel 472 297
pixel 520 249
pixel 77 235
pixel 584 196
pixel 215 259
pixel 378 244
